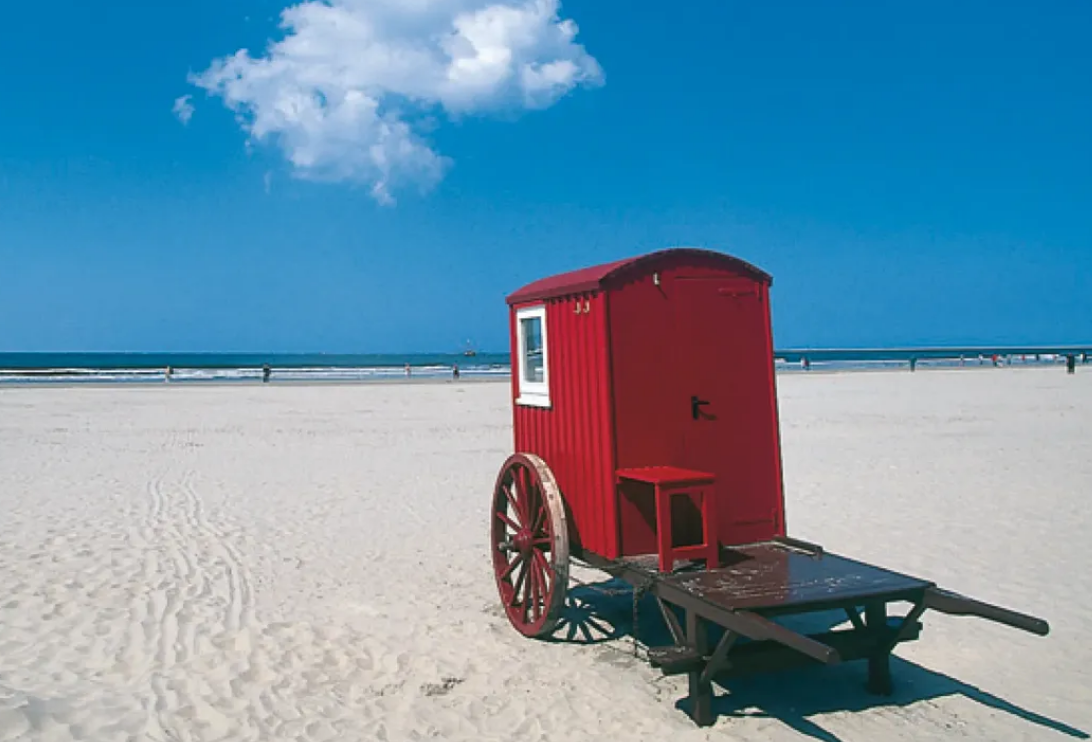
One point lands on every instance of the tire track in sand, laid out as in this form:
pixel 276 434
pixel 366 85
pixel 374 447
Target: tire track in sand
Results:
pixel 219 548
pixel 198 590
pixel 205 667
pixel 166 572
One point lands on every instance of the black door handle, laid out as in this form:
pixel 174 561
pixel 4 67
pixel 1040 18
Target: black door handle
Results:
pixel 695 404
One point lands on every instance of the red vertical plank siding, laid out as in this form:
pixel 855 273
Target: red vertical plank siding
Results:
pixel 603 425
pixel 513 362
pixel 582 361
pixel 771 376
pixel 569 434
pixel 604 434
pixel 576 448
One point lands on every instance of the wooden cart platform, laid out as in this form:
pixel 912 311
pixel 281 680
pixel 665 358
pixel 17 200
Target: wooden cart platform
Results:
pixel 759 582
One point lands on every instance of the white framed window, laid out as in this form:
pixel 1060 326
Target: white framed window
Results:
pixel 531 356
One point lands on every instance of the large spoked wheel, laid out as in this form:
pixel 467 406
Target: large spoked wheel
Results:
pixel 530 540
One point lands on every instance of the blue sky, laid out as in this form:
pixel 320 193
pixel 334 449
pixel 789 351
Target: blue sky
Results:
pixel 909 173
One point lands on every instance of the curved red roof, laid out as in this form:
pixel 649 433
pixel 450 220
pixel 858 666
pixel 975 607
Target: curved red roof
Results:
pixel 596 277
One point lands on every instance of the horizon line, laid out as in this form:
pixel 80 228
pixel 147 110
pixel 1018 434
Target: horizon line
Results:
pixel 796 349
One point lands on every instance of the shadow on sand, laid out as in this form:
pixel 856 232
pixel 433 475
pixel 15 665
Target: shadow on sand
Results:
pixel 603 612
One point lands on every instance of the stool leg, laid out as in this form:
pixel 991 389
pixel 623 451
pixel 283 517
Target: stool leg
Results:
pixel 663 529
pixel 712 558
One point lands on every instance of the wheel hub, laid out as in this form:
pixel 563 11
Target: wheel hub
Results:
pixel 524 542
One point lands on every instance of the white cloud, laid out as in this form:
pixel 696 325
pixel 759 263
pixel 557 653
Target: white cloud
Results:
pixel 346 93
pixel 183 108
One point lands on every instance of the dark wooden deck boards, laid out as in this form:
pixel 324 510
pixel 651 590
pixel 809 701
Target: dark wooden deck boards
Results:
pixel 774 578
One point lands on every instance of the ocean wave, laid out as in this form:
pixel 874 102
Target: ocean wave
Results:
pixel 433 370
pixel 183 374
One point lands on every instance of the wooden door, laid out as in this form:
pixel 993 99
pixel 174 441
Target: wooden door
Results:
pixel 722 396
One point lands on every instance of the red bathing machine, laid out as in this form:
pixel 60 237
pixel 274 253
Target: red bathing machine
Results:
pixel 659 365
pixel 647 445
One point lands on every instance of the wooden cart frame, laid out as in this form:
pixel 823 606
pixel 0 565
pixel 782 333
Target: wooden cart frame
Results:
pixel 648 386
pixel 753 586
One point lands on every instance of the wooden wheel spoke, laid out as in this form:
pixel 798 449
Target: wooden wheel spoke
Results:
pixel 511 567
pixel 508 521
pixel 519 582
pixel 540 517
pixel 533 503
pixel 528 589
pixel 515 506
pixel 517 491
pixel 546 542
pixel 526 494
pixel 528 592
pixel 539 563
pixel 537 592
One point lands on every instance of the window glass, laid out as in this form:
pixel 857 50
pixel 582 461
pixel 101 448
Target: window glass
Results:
pixel 532 350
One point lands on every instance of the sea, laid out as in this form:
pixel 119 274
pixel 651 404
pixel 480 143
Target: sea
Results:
pixel 196 368
pixel 90 368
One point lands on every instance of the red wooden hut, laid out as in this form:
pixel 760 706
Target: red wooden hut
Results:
pixel 650 376
pixel 646 432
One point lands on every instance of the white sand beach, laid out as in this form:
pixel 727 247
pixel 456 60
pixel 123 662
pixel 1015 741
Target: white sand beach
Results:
pixel 291 562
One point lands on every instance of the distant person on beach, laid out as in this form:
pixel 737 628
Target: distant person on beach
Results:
pixel 266 372
pixel 805 363
pixel 408 370
pixel 1070 363
pixel 913 363
pixel 1084 357
pixel 167 373
pixel 455 371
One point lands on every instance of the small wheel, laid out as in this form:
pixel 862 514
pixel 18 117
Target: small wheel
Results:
pixel 530 540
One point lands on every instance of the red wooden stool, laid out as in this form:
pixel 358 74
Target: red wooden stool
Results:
pixel 668 482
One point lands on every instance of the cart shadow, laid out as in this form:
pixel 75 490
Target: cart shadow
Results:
pixel 603 612
pixel 596 613
pixel 793 696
